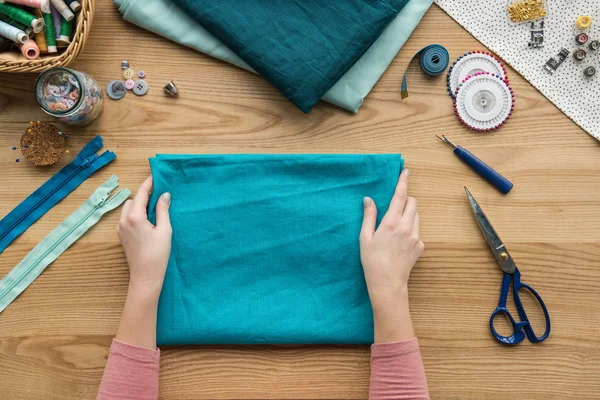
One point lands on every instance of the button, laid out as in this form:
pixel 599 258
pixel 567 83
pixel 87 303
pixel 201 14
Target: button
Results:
pixel 128 74
pixel 129 84
pixel 142 74
pixel 594 45
pixel 125 64
pixel 74 95
pixel 68 102
pixel 116 90
pixel 140 88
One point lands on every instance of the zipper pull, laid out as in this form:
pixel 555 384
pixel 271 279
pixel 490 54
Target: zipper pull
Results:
pixel 103 199
pixel 88 161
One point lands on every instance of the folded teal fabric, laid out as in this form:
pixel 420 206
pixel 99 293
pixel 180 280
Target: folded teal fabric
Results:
pixel 165 19
pixel 265 247
pixel 302 47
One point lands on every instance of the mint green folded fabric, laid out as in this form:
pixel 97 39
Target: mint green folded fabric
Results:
pixel 265 247
pixel 165 19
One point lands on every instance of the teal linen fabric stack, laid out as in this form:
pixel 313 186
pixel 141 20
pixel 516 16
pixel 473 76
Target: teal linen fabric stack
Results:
pixel 302 47
pixel 265 247
pixel 164 18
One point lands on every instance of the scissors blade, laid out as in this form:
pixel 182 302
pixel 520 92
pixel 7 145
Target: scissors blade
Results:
pixel 500 253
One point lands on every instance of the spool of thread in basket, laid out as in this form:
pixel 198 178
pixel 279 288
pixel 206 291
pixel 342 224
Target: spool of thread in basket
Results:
pixel 66 29
pixel 15 34
pixel 30 50
pixel 22 17
pixel 43 5
pixel 56 19
pixel 40 38
pixel 74 5
pixel 63 9
pixel 27 29
pixel 50 33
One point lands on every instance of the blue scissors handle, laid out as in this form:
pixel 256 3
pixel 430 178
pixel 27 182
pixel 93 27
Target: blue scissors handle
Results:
pixel 522 328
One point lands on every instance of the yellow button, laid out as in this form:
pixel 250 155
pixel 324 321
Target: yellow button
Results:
pixel 128 74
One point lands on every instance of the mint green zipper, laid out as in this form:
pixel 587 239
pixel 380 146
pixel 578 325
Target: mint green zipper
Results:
pixel 60 239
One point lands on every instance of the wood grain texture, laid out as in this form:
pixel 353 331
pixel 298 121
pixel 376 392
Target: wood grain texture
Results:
pixel 54 338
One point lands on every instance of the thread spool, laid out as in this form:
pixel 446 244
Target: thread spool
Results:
pixel 39 37
pixel 66 29
pixel 50 33
pixel 63 9
pixel 30 50
pixel 22 16
pixel 583 22
pixel 73 5
pixel 581 39
pixel 44 5
pixel 56 20
pixel 27 29
pixel 15 34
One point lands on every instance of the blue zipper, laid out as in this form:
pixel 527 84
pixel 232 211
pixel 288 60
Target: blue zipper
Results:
pixel 54 190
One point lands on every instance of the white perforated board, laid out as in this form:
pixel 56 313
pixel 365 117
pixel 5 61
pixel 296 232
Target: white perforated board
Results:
pixel 577 96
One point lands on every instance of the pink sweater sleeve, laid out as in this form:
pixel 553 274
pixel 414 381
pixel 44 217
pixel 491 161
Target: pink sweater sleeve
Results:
pixel 131 373
pixel 397 372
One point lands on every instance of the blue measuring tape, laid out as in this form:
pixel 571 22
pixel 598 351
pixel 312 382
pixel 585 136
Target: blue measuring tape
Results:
pixel 433 59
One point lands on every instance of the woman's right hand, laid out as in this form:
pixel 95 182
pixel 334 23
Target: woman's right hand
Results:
pixel 388 255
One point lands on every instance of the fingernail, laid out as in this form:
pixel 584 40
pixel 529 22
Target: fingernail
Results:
pixel 407 172
pixel 366 202
pixel 167 197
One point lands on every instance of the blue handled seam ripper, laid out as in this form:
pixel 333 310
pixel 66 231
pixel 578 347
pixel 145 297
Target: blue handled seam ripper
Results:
pixel 500 182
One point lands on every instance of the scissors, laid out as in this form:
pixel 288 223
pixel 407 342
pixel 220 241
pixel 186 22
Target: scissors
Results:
pixel 522 328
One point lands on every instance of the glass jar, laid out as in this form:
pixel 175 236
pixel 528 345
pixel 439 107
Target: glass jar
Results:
pixel 72 97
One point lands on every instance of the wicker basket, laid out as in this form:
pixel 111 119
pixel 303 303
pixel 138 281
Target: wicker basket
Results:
pixel 18 63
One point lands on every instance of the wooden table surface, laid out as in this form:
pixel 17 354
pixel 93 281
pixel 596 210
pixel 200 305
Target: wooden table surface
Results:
pixel 54 338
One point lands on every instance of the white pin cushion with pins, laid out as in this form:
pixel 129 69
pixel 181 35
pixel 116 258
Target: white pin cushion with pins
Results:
pixel 471 63
pixel 484 102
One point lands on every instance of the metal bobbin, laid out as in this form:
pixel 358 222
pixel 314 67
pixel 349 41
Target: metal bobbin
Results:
pixel 589 71
pixel 579 54
pixel 594 45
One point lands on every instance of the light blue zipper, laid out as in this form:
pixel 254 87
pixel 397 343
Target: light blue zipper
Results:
pixel 59 240
pixel 54 190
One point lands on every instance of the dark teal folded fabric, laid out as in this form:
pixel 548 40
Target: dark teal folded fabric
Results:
pixel 265 247
pixel 303 47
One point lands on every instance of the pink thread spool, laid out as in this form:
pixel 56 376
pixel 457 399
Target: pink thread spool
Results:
pixel 30 50
pixel 44 5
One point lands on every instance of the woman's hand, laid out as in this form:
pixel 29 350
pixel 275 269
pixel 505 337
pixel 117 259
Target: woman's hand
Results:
pixel 146 246
pixel 388 255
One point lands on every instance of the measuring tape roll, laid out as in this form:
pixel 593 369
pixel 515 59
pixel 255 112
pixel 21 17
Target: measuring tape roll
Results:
pixel 433 60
